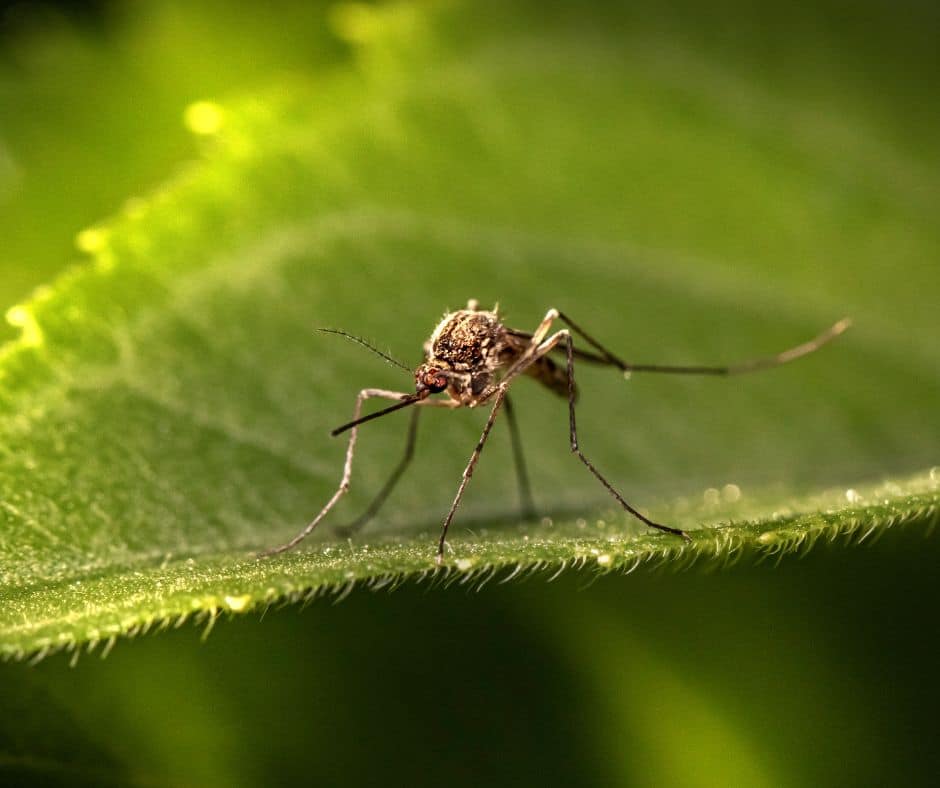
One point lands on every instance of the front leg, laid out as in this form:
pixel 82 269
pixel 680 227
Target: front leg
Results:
pixel 345 531
pixel 347 469
pixel 468 471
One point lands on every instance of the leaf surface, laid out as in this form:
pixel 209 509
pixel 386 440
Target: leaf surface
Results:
pixel 165 412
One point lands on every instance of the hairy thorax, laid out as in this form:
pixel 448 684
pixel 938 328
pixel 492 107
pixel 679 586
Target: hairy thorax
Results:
pixel 471 345
pixel 467 341
pixel 475 347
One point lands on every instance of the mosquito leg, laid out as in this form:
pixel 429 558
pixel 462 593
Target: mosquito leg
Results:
pixel 522 476
pixel 546 347
pixel 365 517
pixel 605 353
pixel 575 448
pixel 752 365
pixel 532 351
pixel 468 471
pixel 347 471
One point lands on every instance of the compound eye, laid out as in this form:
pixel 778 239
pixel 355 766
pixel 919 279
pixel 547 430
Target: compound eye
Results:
pixel 435 381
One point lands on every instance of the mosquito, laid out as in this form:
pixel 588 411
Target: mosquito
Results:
pixel 473 358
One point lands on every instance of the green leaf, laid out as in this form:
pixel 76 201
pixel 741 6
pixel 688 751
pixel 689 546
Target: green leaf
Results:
pixel 165 413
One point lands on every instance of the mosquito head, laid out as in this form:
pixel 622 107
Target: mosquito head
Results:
pixel 430 378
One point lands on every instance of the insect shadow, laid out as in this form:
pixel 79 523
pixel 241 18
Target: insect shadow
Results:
pixel 473 358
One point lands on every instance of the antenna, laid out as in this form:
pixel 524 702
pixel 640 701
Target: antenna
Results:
pixel 367 345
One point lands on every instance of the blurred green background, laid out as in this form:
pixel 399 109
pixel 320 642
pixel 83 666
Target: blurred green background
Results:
pixel 817 672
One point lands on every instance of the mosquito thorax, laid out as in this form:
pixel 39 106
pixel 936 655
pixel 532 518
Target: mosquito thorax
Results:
pixel 467 341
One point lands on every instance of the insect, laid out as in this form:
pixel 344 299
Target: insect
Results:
pixel 473 359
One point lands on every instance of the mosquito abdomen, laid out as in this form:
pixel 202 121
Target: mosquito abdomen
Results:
pixel 551 375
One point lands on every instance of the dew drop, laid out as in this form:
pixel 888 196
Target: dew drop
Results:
pixel 604 559
pixel 711 496
pixel 204 118
pixel 852 496
pixel 731 493
pixel 237 603
pixel 91 240
pixel 23 318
